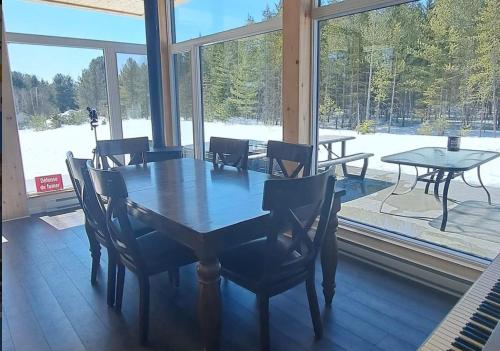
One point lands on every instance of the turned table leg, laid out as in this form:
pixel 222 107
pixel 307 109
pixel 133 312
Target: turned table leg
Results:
pixel 209 304
pixel 329 258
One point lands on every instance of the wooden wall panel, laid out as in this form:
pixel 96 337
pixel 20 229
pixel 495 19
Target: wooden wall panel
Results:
pixel 14 199
pixel 296 91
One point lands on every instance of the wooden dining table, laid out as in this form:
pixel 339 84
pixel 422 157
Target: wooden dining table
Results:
pixel 211 210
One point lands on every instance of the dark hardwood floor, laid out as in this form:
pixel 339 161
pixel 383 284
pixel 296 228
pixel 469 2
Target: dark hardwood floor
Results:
pixel 49 304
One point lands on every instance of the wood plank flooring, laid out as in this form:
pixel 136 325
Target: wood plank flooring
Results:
pixel 49 304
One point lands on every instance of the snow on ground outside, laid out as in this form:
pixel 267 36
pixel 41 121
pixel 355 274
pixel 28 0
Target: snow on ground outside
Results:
pixel 44 152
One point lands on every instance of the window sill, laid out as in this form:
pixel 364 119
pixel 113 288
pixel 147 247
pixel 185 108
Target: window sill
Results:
pixel 444 269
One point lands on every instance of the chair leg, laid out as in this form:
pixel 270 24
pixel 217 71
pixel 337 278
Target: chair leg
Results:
pixel 111 278
pixel 144 308
pixel 95 252
pixel 264 322
pixel 120 282
pixel 314 307
pixel 96 258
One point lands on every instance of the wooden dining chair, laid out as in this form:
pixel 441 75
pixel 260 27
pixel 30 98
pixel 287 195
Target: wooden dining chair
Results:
pixel 299 154
pixel 272 265
pixel 146 255
pixel 229 152
pixel 95 222
pixel 109 150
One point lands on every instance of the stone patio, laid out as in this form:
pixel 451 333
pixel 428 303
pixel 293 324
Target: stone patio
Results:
pixel 473 225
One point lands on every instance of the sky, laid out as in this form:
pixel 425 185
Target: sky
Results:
pixel 192 17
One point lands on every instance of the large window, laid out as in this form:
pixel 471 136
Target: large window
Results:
pixel 67 58
pixel 134 95
pixel 405 77
pixel 51 94
pixel 184 101
pixel 241 84
pixel 198 18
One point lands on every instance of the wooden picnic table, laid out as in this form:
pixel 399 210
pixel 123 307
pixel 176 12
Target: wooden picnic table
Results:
pixel 333 159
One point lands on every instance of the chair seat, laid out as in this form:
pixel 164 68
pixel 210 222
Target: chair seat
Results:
pixel 138 226
pixel 161 252
pixel 247 264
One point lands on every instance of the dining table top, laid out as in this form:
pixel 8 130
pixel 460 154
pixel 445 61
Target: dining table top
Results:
pixel 195 196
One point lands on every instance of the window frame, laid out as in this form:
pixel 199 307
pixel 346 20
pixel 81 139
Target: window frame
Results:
pixel 110 51
pixel 194 47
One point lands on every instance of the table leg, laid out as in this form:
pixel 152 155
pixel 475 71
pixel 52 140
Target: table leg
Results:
pixel 439 178
pixel 342 154
pixel 445 200
pixel 329 259
pixel 431 178
pixel 209 303
pixel 482 185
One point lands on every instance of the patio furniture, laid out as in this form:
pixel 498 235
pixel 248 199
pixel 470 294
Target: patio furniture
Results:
pixel 438 162
pixel 212 210
pixel 276 263
pixel 299 154
pixel 145 256
pixel 334 159
pixel 229 152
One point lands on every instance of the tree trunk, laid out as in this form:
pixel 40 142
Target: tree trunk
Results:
pixel 393 91
pixel 368 93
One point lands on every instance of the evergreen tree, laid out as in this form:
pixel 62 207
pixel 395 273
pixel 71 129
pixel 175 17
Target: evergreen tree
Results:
pixel 65 92
pixel 92 87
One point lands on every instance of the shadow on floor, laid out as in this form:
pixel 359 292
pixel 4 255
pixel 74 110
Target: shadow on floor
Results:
pixel 472 217
pixel 357 188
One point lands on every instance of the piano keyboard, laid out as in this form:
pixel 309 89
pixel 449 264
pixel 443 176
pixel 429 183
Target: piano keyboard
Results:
pixel 473 324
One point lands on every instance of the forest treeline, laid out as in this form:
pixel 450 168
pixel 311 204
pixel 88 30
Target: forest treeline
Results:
pixel 430 65
pixel 429 62
pixel 41 104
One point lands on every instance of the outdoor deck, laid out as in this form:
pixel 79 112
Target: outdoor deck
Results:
pixel 472 223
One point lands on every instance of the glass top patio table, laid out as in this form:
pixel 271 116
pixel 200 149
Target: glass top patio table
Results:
pixel 441 158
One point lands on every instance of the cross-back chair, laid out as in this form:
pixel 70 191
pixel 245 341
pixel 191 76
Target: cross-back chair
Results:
pixel 277 263
pixel 146 255
pixel 229 152
pixel 108 150
pixel 300 154
pixel 95 222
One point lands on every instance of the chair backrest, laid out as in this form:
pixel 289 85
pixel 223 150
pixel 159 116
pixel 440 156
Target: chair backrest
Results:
pixel 279 151
pixel 162 155
pixel 109 185
pixel 84 189
pixel 296 204
pixel 229 152
pixel 107 150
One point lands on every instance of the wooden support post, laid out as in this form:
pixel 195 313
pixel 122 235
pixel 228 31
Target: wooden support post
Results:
pixel 296 91
pixel 169 125
pixel 14 199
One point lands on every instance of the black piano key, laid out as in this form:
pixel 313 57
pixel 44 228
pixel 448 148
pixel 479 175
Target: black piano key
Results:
pixel 472 334
pixel 485 307
pixel 479 329
pixel 492 306
pixel 483 320
pixel 493 297
pixel 465 345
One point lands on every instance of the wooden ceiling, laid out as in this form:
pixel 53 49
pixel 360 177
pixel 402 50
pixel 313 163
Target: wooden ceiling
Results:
pixel 124 7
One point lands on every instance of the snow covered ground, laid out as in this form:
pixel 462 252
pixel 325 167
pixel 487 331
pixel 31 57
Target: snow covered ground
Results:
pixel 44 152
